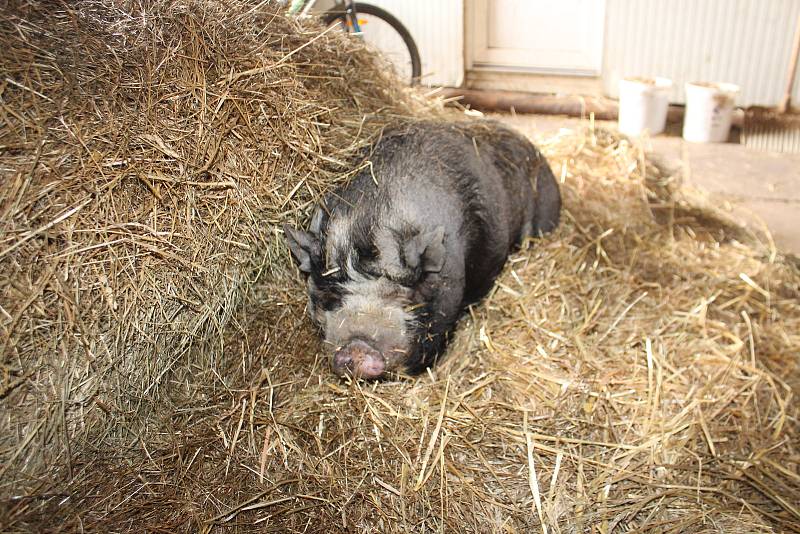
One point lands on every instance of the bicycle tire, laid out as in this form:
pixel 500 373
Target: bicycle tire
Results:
pixel 368 9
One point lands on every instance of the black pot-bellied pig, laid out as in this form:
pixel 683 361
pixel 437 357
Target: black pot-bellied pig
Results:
pixel 394 257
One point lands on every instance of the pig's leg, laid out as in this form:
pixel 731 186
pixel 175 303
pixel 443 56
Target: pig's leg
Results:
pixel 548 201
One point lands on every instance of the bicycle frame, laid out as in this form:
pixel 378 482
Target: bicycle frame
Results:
pixel 318 7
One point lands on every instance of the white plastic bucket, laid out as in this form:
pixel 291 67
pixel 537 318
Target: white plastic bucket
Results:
pixel 709 109
pixel 643 104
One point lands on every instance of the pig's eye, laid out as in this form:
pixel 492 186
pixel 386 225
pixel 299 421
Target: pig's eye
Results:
pixel 409 279
pixel 325 293
pixel 328 300
pixel 366 253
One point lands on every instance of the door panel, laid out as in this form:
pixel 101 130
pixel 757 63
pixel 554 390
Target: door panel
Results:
pixel 562 36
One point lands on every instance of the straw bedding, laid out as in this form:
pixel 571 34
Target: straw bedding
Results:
pixel 635 371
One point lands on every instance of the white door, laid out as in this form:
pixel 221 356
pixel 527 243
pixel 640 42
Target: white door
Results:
pixel 549 36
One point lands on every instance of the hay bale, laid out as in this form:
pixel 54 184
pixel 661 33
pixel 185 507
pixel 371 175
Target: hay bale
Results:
pixel 149 152
pixel 635 371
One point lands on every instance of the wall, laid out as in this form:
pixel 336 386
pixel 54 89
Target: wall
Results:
pixel 438 29
pixel 746 42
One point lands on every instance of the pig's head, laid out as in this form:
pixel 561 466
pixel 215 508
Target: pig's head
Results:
pixel 367 292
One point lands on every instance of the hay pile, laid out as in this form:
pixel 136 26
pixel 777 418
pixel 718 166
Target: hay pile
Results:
pixel 148 152
pixel 635 371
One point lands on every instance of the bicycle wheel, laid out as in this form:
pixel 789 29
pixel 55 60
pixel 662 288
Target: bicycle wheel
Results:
pixel 382 30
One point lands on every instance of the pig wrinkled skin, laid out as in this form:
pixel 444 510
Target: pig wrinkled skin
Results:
pixel 395 256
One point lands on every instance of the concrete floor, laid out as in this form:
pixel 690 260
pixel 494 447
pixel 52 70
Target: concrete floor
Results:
pixel 759 189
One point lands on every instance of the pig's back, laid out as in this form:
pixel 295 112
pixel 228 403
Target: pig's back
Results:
pixel 471 178
pixel 474 179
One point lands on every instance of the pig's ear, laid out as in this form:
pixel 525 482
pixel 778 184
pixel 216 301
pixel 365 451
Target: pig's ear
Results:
pixel 303 246
pixel 426 249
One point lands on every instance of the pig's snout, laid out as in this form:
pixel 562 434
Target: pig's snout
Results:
pixel 358 359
